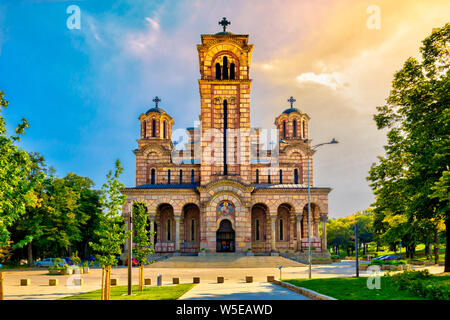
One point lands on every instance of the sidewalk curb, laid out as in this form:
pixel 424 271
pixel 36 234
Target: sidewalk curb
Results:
pixel 306 292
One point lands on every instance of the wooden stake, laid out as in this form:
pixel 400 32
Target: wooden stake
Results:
pixel 1 285
pixel 109 282
pixel 141 277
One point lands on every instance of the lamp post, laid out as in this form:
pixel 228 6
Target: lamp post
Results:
pixel 333 141
pixel 130 248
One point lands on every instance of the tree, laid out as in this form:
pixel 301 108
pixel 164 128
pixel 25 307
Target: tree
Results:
pixel 338 234
pixel 111 232
pixel 365 227
pixel 16 191
pixel 141 239
pixel 29 226
pixel 411 178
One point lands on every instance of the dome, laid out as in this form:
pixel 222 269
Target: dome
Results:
pixel 290 110
pixel 224 33
pixel 155 109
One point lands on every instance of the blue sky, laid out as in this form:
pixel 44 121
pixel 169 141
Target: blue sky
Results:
pixel 83 90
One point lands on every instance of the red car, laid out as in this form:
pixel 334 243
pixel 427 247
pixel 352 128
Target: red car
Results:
pixel 135 262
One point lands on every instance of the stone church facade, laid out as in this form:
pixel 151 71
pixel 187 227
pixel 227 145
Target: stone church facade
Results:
pixel 226 190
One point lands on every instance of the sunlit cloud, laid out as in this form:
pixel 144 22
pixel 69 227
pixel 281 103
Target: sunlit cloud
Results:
pixel 333 80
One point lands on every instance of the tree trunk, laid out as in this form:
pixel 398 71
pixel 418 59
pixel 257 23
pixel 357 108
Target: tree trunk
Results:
pixel 103 283
pixel 30 254
pixel 436 245
pixel 427 251
pixel 447 245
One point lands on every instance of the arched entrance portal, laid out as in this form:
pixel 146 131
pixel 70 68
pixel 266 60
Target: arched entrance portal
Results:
pixel 225 237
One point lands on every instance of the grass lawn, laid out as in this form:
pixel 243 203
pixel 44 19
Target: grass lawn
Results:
pixel 354 288
pixel 149 293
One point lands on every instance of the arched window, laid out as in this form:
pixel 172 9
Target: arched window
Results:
pixel 281 229
pixel 225 127
pixel 164 129
pixel 294 128
pixel 284 129
pixel 168 176
pixel 153 176
pixel 192 176
pixel 304 129
pixel 144 129
pixel 281 176
pixel 232 71
pixel 296 176
pixel 218 71
pixel 225 68
pixel 181 176
pixel 257 176
pixel 193 230
pixel 153 128
pixel 257 229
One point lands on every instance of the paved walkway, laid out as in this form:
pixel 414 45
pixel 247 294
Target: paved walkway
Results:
pixel 241 291
pixel 39 288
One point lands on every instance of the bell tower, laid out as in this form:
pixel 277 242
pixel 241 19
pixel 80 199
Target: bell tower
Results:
pixel 224 60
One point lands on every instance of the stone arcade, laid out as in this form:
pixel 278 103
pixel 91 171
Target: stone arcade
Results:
pixel 223 192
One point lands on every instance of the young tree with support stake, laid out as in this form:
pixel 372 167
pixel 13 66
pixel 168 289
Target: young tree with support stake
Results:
pixel 142 236
pixel 111 232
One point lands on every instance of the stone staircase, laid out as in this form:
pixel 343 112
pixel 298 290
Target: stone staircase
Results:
pixel 225 260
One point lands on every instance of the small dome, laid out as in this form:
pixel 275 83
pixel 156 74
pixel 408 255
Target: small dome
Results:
pixel 155 109
pixel 290 110
pixel 224 33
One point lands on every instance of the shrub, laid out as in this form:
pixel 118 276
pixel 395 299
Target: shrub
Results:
pixel 76 260
pixel 399 262
pixel 420 283
pixel 58 267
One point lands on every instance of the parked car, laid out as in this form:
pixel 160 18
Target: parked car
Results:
pixel 91 258
pixel 380 257
pixel 390 258
pixel 135 262
pixel 48 262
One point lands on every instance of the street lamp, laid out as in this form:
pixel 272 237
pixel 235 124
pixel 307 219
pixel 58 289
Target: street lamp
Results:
pixel 333 141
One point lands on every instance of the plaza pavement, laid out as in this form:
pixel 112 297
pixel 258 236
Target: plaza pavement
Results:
pixel 234 279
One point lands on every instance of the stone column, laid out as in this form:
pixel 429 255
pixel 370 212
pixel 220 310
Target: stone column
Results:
pixel 299 218
pixel 324 219
pixel 177 233
pixel 273 229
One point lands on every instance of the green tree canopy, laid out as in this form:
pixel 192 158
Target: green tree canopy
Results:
pixel 407 178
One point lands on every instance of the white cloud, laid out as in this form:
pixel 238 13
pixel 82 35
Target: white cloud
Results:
pixel 333 80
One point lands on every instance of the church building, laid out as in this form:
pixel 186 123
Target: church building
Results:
pixel 226 188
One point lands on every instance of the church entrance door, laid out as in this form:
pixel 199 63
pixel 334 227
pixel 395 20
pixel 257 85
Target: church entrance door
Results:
pixel 225 237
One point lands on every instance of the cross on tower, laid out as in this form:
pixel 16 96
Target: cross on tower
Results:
pixel 224 23
pixel 156 100
pixel 291 100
